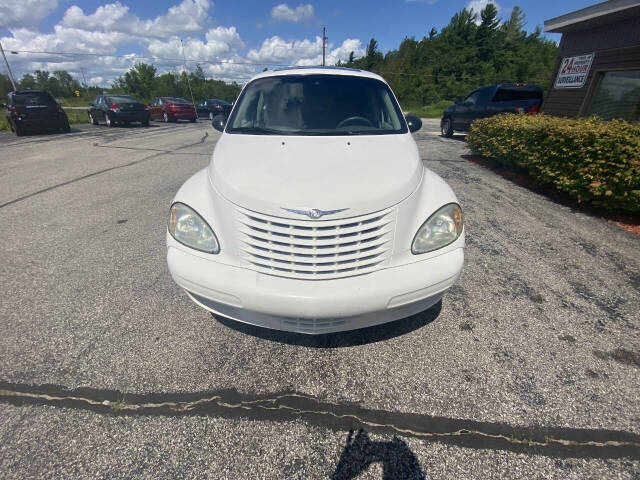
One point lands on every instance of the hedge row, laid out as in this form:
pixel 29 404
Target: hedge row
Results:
pixel 591 160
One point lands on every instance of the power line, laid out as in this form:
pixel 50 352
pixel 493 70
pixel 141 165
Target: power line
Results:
pixel 142 57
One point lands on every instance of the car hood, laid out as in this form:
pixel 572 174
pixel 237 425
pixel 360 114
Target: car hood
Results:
pixel 361 174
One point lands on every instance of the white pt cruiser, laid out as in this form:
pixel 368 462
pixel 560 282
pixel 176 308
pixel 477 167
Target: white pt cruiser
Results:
pixel 316 213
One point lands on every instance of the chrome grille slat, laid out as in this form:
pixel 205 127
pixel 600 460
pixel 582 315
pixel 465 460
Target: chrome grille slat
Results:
pixel 321 242
pixel 315 249
pixel 316 232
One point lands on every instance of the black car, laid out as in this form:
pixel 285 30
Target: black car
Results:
pixel 212 107
pixel 114 109
pixel 30 110
pixel 488 101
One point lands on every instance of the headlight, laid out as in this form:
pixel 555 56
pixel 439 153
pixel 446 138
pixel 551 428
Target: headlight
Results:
pixel 190 229
pixel 441 229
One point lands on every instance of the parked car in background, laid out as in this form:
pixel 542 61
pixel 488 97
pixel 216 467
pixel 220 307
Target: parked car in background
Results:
pixel 32 110
pixel 118 109
pixel 212 107
pixel 316 213
pixel 171 109
pixel 488 101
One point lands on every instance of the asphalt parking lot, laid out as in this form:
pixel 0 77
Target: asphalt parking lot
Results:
pixel 530 368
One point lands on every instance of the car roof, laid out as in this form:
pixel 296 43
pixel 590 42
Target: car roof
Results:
pixel 349 72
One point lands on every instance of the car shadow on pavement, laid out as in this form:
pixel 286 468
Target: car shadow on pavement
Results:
pixel 351 338
pixel 398 461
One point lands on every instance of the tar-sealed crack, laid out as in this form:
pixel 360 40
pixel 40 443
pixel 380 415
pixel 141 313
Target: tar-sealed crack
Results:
pixel 287 406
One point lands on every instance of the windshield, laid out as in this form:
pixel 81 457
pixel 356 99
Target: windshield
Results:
pixel 316 105
pixel 122 99
pixel 33 98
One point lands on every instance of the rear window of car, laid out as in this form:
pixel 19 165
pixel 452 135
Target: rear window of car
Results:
pixel 177 100
pixel 33 98
pixel 122 99
pixel 514 94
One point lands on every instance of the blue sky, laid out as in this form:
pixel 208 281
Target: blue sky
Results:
pixel 235 37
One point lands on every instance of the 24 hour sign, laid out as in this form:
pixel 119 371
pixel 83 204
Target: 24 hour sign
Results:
pixel 573 71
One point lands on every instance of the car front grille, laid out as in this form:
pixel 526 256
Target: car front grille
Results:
pixel 316 249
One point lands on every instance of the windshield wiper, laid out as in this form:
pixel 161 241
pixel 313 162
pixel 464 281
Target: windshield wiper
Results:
pixel 256 130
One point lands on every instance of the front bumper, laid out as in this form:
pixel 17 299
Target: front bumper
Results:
pixel 314 306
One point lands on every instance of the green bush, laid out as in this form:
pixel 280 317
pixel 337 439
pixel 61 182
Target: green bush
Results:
pixel 591 160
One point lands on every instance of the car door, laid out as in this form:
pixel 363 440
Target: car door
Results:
pixel 480 109
pixel 201 109
pixel 92 107
pixel 464 110
pixel 100 109
pixel 159 109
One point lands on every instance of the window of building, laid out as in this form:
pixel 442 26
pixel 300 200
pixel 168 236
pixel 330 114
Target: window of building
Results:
pixel 617 95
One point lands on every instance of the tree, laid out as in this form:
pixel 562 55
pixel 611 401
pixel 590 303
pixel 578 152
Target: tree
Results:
pixel 474 49
pixel 28 82
pixel 139 80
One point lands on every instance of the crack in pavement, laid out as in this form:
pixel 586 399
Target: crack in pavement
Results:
pixel 556 442
pixel 140 149
pixel 99 172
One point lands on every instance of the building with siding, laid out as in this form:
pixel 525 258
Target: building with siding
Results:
pixel 597 71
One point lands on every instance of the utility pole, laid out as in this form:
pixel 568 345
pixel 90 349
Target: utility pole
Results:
pixel 9 68
pixel 84 79
pixel 324 44
pixel 184 58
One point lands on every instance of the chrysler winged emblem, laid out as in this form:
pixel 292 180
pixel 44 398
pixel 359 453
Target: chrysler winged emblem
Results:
pixel 313 213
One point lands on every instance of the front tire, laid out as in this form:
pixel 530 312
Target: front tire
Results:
pixel 109 121
pixel 193 120
pixel 446 127
pixel 66 128
pixel 211 116
pixel 165 117
pixel 19 130
pixel 92 120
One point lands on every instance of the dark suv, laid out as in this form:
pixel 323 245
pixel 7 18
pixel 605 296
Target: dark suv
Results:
pixel 488 101
pixel 35 110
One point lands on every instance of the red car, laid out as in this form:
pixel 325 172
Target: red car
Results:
pixel 171 109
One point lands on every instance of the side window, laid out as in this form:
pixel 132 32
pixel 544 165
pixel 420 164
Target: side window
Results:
pixel 96 100
pixel 472 99
pixel 160 102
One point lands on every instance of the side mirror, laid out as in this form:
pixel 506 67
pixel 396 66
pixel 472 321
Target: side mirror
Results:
pixel 414 123
pixel 219 122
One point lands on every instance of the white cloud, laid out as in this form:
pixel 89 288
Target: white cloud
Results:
pixel 303 52
pixel 285 13
pixel 22 13
pixel 220 41
pixel 188 16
